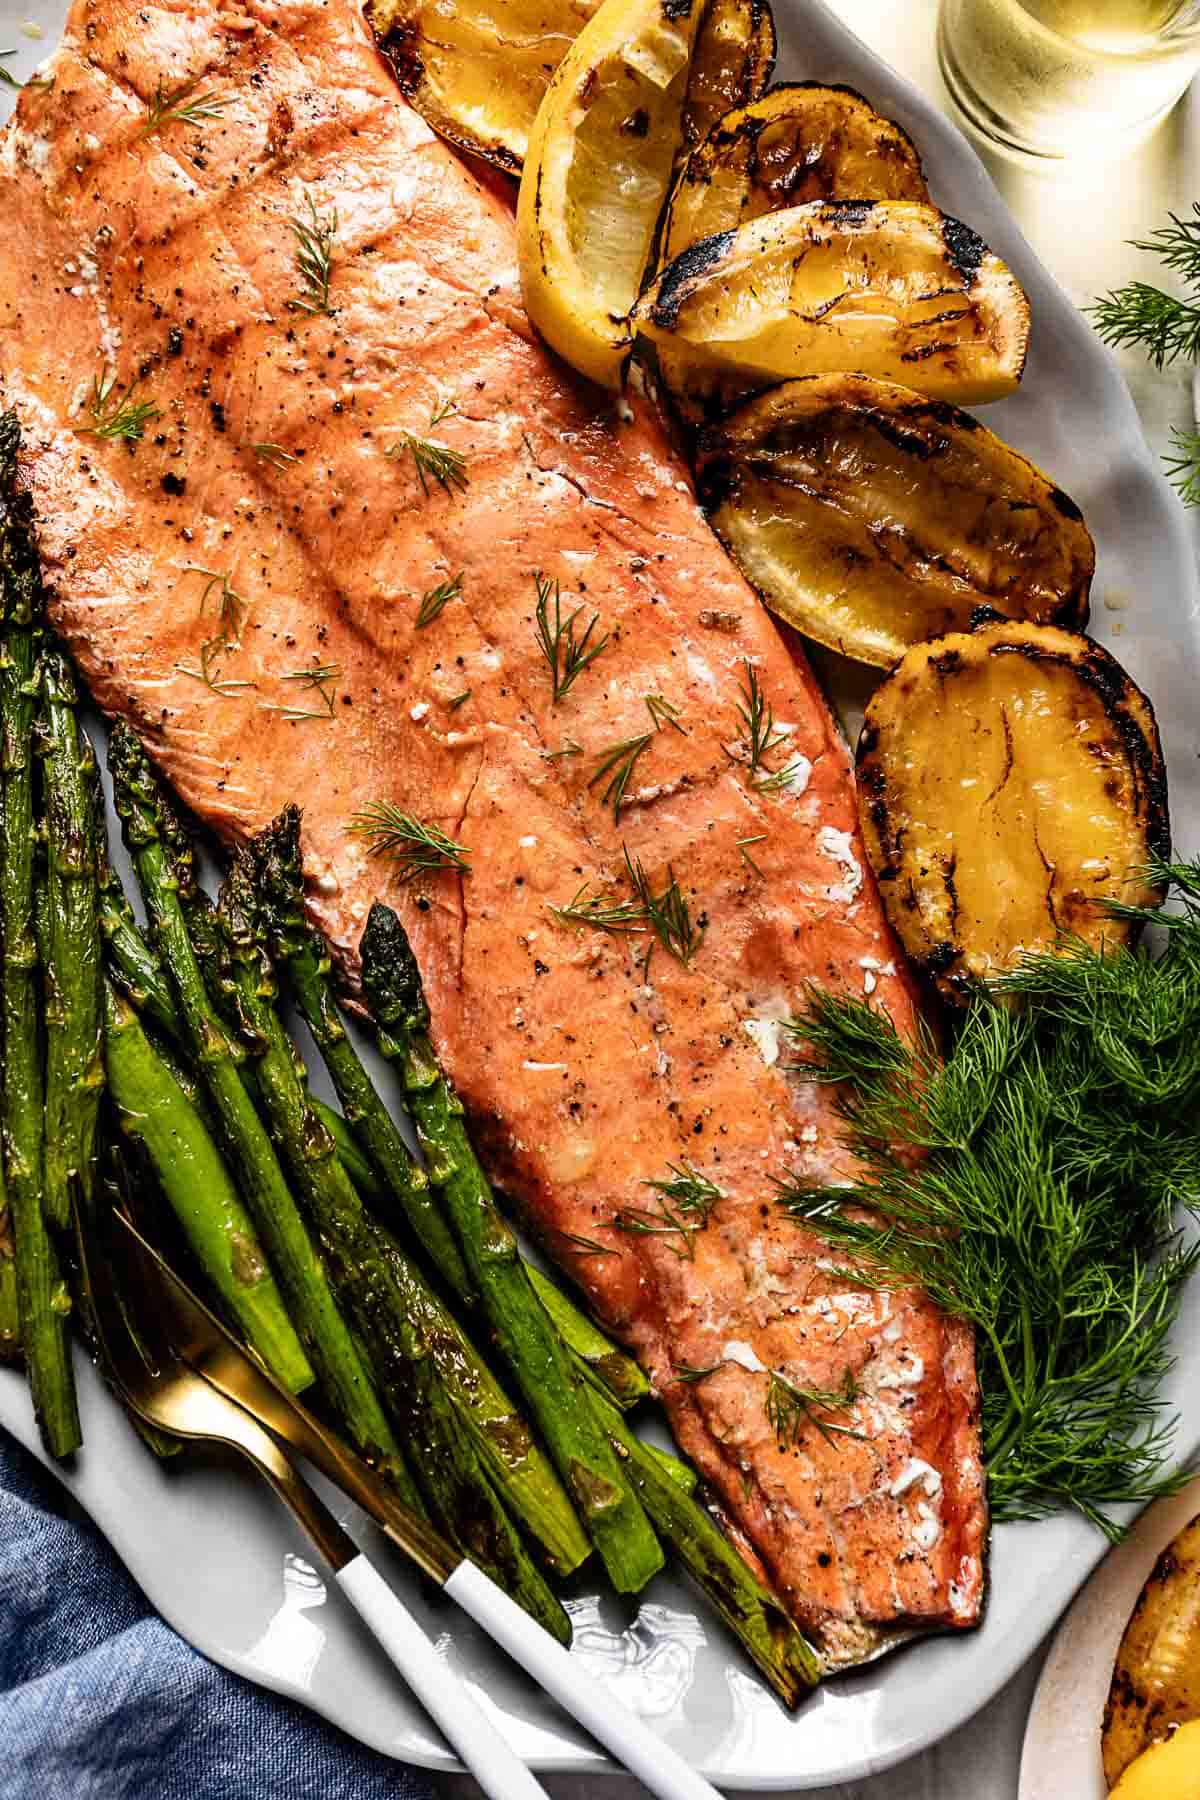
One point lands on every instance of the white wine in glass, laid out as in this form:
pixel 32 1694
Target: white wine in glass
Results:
pixel 1058 78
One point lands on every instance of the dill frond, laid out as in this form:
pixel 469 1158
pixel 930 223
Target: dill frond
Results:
pixel 743 847
pixel 416 847
pixel 568 748
pixel 567 654
pixel 1059 1142
pixel 1165 326
pixel 1182 465
pixel 690 1373
pixel 7 78
pixel 791 1408
pixel 758 717
pixel 315 237
pixel 662 712
pixel 115 413
pixel 274 455
pixel 1177 244
pixel 617 916
pixel 583 1246
pixel 209 673
pixel 685 1201
pixel 177 107
pixel 458 700
pixel 231 607
pixel 667 914
pixel 617 765
pixel 322 680
pixel 433 461
pixel 434 603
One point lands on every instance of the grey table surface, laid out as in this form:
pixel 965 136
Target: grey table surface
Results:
pixel 1080 220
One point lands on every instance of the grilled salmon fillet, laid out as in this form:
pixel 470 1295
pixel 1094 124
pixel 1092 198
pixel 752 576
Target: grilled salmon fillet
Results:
pixel 243 583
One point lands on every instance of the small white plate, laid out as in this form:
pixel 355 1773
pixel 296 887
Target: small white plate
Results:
pixel 221 1562
pixel 1061 1757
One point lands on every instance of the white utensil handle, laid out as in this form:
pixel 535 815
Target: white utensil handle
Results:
pixel 494 1764
pixel 577 1689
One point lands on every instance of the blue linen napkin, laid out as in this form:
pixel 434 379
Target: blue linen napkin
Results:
pixel 100 1700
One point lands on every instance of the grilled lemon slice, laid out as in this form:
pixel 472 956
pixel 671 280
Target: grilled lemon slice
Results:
pixel 477 71
pixel 895 290
pixel 800 142
pixel 1156 1679
pixel 601 154
pixel 871 518
pixel 1167 1771
pixel 732 65
pixel 1010 781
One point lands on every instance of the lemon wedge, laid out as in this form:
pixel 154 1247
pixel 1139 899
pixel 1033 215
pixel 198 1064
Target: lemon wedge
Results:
pixel 891 289
pixel 1167 1771
pixel 600 160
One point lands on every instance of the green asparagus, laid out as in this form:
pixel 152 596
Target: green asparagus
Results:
pixel 610 1369
pixel 277 861
pixel 554 1390
pixel 74 1059
pixel 752 1612
pixel 162 857
pixel 43 1302
pixel 153 1108
pixel 396 1331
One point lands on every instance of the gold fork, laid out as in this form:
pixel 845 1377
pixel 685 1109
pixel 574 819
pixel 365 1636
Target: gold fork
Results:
pixel 179 1370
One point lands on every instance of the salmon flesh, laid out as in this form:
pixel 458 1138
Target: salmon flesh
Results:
pixel 243 582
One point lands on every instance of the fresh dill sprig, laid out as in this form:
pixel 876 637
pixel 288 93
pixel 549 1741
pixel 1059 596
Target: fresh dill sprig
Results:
pixel 418 848
pixel 568 748
pixel 434 603
pixel 322 680
pixel 176 107
pixel 618 916
pixel 567 655
pixel 664 713
pixel 1059 1142
pixel 685 1202
pixel 1182 465
pixel 115 413
pixel 791 1407
pixel 274 455
pixel 433 461
pixel 1165 326
pixel 667 914
pixel 758 717
pixel 583 1246
pixel 7 78
pixel 743 846
pixel 209 675
pixel 690 1373
pixel 617 765
pixel 231 607
pixel 458 700
pixel 315 237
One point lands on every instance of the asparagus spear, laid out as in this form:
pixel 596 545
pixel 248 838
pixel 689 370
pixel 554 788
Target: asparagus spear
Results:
pixel 74 1060
pixel 137 971
pixel 609 1368
pixel 10 1325
pixel 554 1390
pixel 153 1108
pixel 752 1612
pixel 43 1302
pixel 162 857
pixel 397 1332
pixel 277 860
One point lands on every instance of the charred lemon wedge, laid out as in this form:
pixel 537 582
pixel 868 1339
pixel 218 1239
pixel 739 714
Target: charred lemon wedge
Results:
pixel 732 64
pixel 600 158
pixel 1010 781
pixel 871 518
pixel 477 71
pixel 1167 1771
pixel 801 142
pixel 892 289
pixel 1156 1680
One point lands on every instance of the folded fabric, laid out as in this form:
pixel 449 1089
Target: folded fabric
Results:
pixel 100 1700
